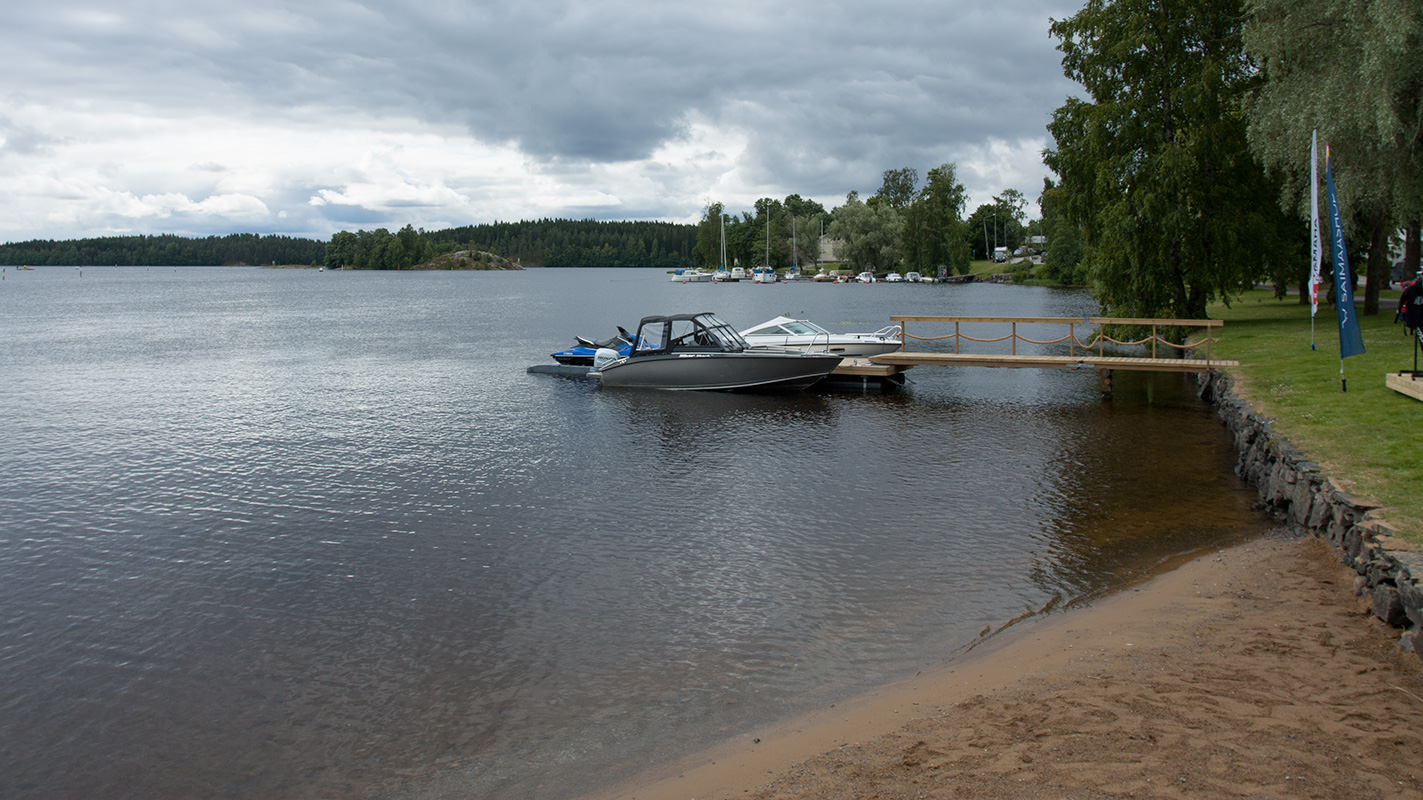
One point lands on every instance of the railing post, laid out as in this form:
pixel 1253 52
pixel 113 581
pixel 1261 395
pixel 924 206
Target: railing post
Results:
pixel 904 336
pixel 1071 339
pixel 956 337
pixel 1153 341
pixel 1015 338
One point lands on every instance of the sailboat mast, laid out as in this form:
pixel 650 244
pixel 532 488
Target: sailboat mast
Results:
pixel 723 241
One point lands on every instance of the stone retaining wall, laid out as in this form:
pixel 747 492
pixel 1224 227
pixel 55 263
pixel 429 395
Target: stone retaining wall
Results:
pixel 1293 488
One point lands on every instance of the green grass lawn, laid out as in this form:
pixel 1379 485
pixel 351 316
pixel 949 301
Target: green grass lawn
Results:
pixel 1370 438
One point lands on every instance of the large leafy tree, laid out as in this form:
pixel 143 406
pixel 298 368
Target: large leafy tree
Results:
pixel 898 188
pixel 1154 164
pixel 871 232
pixel 934 226
pixel 1353 70
pixel 1064 239
pixel 997 224
pixel 707 250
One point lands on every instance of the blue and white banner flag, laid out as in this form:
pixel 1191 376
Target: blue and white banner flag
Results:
pixel 1314 245
pixel 1351 341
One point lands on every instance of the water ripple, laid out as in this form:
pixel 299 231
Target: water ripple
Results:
pixel 282 533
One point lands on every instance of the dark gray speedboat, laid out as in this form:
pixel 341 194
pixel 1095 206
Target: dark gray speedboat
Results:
pixel 699 351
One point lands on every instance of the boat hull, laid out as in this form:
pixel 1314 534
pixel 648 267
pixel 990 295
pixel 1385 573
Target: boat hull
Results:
pixel 747 370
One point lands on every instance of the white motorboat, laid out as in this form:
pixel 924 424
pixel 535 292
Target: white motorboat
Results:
pixel 738 273
pixel 912 277
pixel 866 277
pixel 894 277
pixel 699 351
pixel 691 276
pixel 763 275
pixel 806 336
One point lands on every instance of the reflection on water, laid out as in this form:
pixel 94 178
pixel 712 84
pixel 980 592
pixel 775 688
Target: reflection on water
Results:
pixel 299 534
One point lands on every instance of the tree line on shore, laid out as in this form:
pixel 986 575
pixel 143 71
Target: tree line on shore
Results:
pixel 901 227
pixel 165 250
pixel 545 242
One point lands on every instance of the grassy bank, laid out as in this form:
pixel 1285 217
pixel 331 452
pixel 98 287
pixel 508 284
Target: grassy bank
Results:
pixel 1366 438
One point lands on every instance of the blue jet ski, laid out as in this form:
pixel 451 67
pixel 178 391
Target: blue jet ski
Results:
pixel 581 354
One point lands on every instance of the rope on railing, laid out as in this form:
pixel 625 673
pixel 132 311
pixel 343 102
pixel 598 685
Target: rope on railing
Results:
pixel 1094 342
pixel 1100 338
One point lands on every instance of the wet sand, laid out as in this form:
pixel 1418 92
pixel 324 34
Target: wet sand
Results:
pixel 1249 672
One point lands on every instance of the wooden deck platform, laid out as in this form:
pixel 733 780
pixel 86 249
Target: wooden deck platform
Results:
pixel 1404 383
pixel 864 368
pixel 863 373
pixel 1082 361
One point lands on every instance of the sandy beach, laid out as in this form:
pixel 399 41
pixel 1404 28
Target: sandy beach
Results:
pixel 1249 672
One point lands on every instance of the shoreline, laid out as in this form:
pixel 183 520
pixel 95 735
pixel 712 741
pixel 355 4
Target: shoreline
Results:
pixel 1269 668
pixel 1234 674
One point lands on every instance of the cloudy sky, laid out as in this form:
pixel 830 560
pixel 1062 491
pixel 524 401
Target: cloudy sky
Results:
pixel 199 117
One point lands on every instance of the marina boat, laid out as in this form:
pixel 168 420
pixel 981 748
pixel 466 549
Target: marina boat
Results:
pixel 581 353
pixel 894 277
pixel 866 277
pixel 699 351
pixel 721 275
pixel 738 273
pixel 691 276
pixel 763 275
pixel 806 336
pixel 912 277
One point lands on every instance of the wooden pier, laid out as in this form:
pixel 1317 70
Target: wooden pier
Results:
pixel 1090 354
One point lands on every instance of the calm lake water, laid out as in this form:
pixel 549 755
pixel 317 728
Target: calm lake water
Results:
pixel 286 533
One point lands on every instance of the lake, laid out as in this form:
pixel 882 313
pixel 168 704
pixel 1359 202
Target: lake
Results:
pixel 289 533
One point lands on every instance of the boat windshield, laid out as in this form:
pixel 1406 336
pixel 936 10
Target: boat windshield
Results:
pixel 707 330
pixel 800 327
pixel 787 327
pixel 688 332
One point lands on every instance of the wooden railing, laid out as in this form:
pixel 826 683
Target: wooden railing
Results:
pixel 1097 344
pixel 1090 353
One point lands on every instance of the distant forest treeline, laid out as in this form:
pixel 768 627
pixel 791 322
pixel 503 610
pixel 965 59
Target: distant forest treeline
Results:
pixel 581 243
pixel 165 250
pixel 546 242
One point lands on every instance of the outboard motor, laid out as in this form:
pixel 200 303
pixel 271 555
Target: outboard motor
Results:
pixel 604 356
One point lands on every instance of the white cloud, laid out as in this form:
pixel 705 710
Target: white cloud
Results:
pixel 202 117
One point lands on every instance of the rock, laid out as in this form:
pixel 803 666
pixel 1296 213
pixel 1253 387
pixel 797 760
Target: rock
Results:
pixel 1387 605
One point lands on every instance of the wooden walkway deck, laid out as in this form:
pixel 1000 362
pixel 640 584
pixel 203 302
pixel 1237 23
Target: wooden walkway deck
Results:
pixel 1406 384
pixel 1090 354
pixel 1085 361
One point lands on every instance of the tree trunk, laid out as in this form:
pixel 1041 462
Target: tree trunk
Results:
pixel 1410 249
pixel 1379 267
